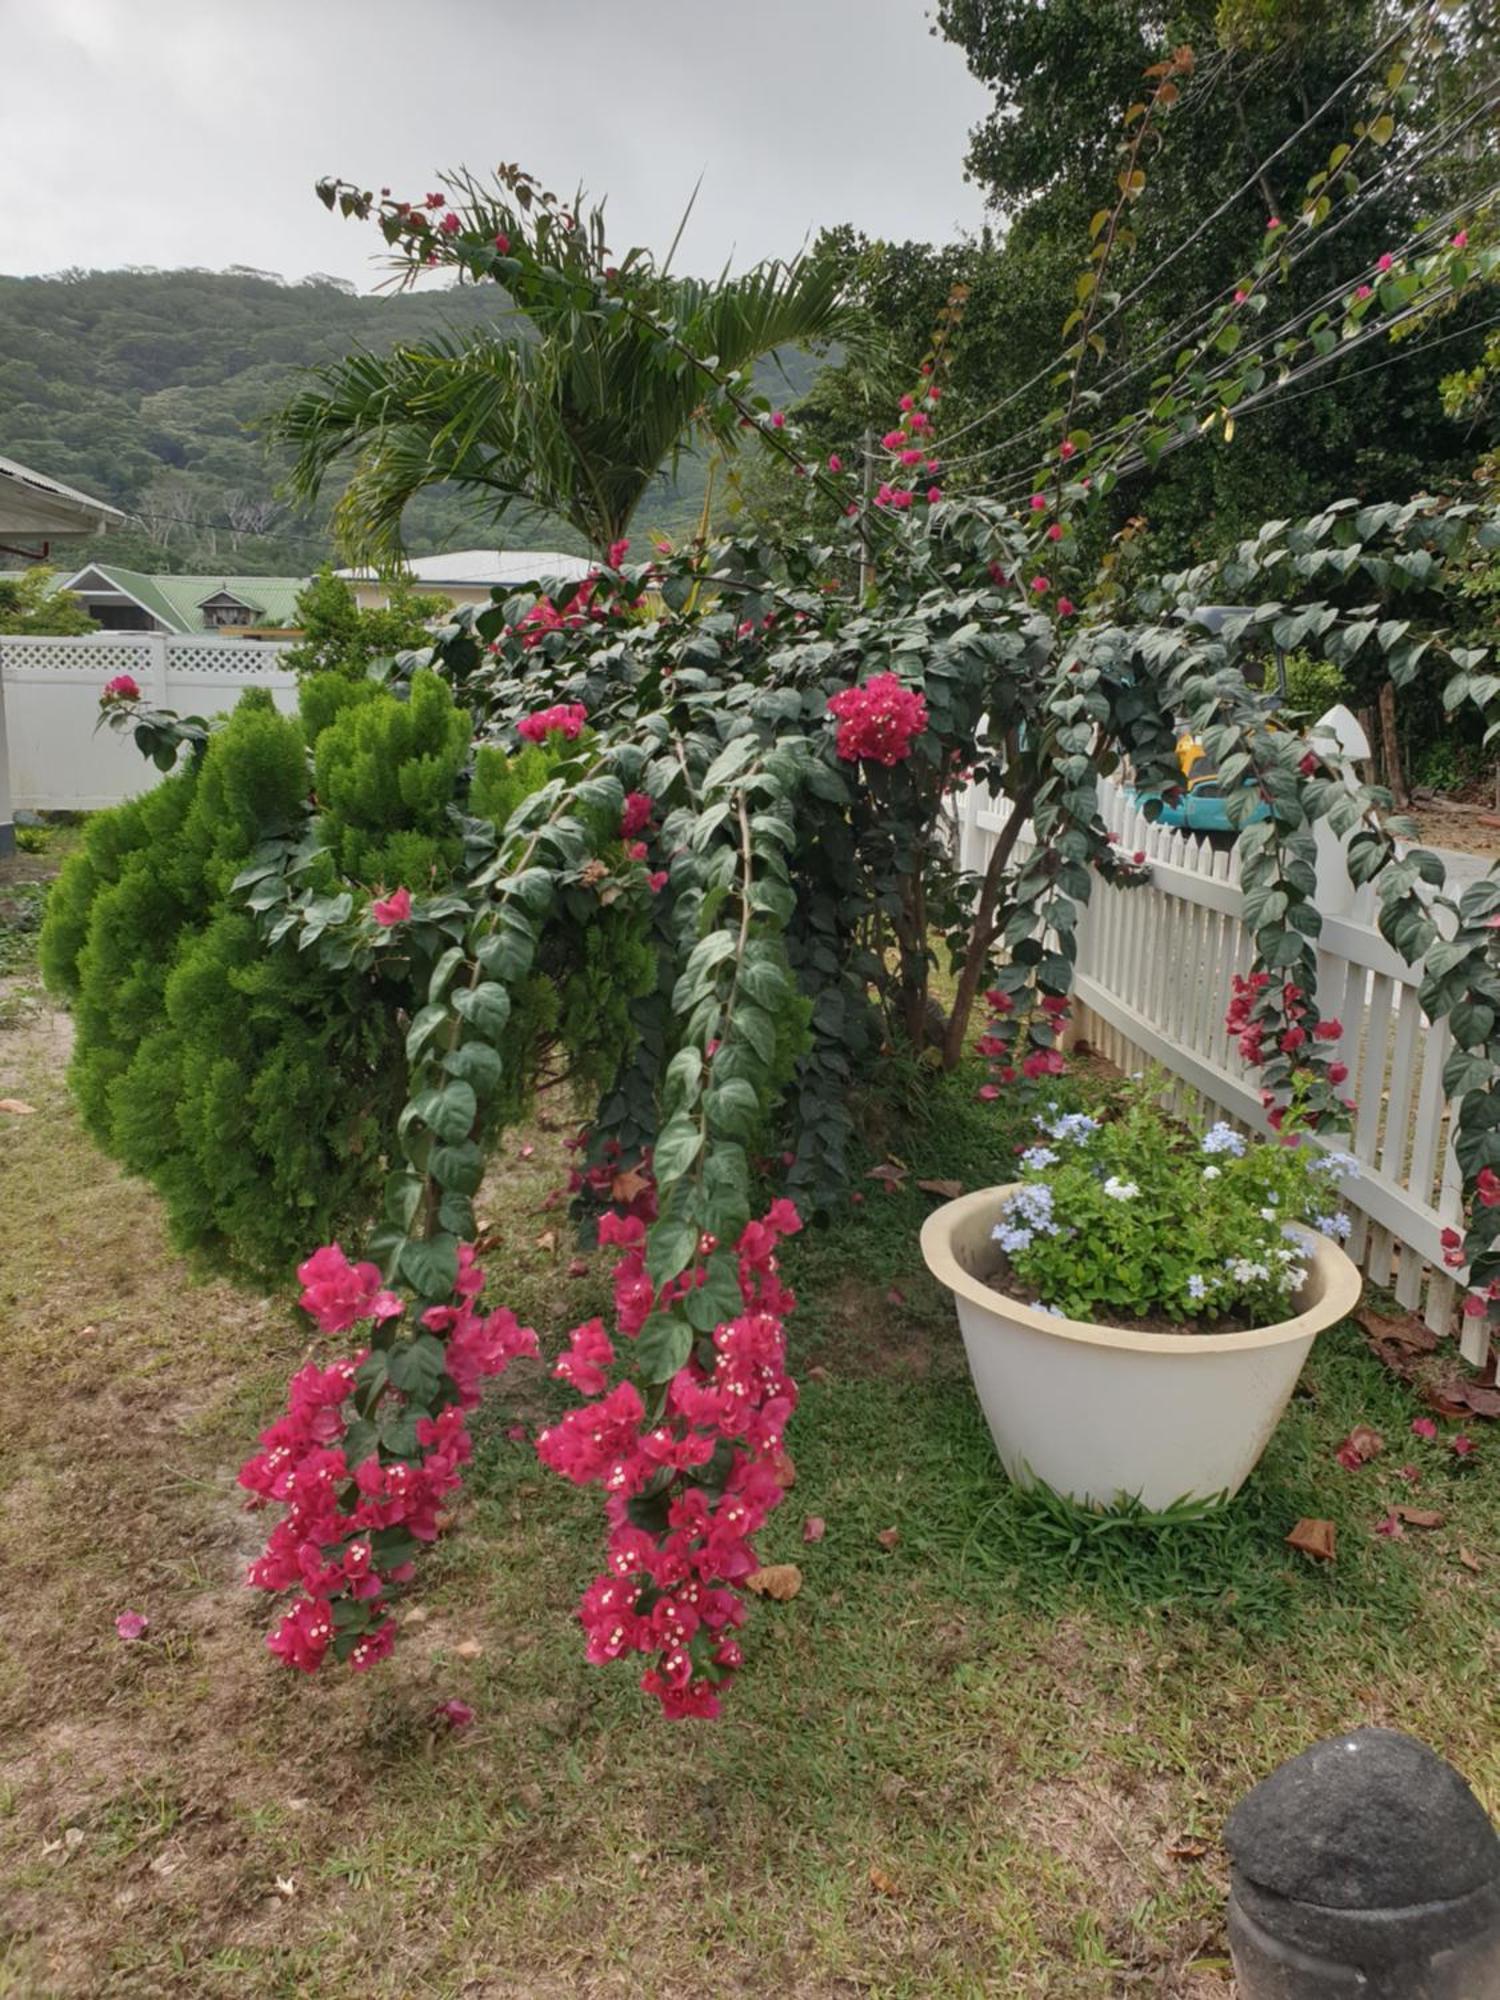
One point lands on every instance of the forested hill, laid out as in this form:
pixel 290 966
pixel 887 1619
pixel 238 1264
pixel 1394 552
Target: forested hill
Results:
pixel 142 387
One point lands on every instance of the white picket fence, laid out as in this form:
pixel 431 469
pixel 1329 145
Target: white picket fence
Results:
pixel 1155 966
pixel 51 754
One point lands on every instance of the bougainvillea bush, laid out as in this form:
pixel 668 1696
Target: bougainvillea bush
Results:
pixel 682 832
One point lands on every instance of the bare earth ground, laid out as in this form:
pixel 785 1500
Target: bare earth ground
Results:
pixel 974 1763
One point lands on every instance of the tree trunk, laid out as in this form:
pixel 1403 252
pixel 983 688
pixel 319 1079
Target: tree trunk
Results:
pixel 985 929
pixel 1390 746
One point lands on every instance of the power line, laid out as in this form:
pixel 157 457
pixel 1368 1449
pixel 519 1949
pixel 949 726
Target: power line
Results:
pixel 1181 248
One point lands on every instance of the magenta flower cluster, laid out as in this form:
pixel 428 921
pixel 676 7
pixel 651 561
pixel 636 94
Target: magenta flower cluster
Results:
pixel 877 720
pixel 708 1454
pixel 356 1517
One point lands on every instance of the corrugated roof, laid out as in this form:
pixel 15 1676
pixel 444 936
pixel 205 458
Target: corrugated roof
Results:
pixel 177 601
pixel 486 567
pixel 31 503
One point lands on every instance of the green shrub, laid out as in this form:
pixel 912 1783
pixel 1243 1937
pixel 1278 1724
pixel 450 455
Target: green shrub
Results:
pixel 256 1086
pixel 1313 686
pixel 251 1086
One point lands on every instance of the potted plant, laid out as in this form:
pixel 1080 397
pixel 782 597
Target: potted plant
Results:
pixel 1136 1308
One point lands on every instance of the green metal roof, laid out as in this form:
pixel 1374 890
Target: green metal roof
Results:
pixel 177 601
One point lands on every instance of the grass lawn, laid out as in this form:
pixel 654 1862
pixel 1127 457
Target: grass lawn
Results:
pixel 992 1758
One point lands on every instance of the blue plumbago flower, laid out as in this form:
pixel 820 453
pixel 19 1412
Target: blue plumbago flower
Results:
pixel 1197 1287
pixel 1222 1138
pixel 1032 1204
pixel 1074 1125
pixel 1336 1225
pixel 1245 1271
pixel 1119 1190
pixel 1035 1158
pixel 1041 1306
pixel 1012 1240
pixel 1338 1166
pixel 1211 1173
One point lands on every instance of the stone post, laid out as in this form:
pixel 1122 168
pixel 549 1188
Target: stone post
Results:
pixel 1364 1867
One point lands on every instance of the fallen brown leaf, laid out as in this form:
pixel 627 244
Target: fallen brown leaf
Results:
pixel 949 1190
pixel 526 1152
pixel 1420 1517
pixel 1313 1538
pixel 1470 1561
pixel 626 1186
pixel 1407 1331
pixel 578 1268
pixel 14 1104
pixel 783 1469
pixel 895 1296
pixel 1185 1849
pixel 814 1528
pixel 1367 1442
pixel 547 1240
pixel 779 1581
pixel 889 1174
pixel 1482 1398
pixel 817 1375
pixel 468 1649
pixel 888 1537
pixel 882 1884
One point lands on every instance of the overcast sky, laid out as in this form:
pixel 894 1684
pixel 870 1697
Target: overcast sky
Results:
pixel 173 132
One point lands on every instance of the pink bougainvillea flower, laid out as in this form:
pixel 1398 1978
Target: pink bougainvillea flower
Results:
pixel 132 1625
pixel 1040 585
pixel 1475 1306
pixel 1463 1445
pixel 835 463
pixel 877 720
pixel 1067 448
pixel 934 494
pixel 636 817
pixel 453 1714
pixel 502 242
pixel 392 909
pixel 1240 296
pixel 894 440
pixel 450 224
pixel 988 1092
pixel 657 881
pixel 1038 503
pixel 1055 532
pixel 1363 292
pixel 778 420
pixel 1273 222
pixel 564 718
pixel 124 687
pixel 618 552
pixel 1423 1427
pixel 1065 607
pixel 1384 261
pixel 1461 240
pixel 908 402
pixel 1391 1527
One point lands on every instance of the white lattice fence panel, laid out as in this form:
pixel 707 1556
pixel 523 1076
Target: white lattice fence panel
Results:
pixel 57 756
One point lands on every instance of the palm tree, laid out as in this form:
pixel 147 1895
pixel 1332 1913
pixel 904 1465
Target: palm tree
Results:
pixel 598 379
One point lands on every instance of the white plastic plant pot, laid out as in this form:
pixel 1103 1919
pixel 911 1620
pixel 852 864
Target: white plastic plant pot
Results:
pixel 1103 1414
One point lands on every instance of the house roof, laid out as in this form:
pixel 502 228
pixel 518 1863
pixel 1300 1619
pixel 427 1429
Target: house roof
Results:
pixel 177 601
pixel 484 568
pixel 33 504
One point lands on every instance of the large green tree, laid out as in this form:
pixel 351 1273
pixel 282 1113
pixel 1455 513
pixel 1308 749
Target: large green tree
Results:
pixel 1275 86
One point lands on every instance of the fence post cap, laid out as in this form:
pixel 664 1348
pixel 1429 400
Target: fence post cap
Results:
pixel 1368 1821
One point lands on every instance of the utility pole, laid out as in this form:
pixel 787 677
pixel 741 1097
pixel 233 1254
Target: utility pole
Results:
pixel 866 566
